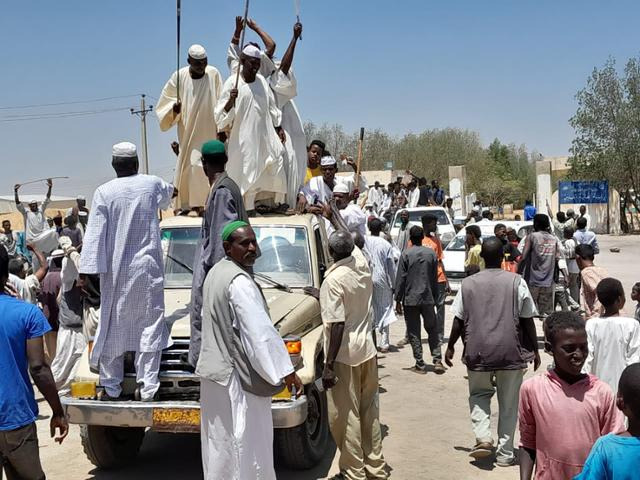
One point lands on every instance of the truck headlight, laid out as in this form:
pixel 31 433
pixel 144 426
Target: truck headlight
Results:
pixel 294 347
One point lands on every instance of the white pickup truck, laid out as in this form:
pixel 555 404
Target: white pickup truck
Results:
pixel 294 256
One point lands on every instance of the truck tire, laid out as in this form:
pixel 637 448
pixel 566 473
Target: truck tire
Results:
pixel 111 447
pixel 303 447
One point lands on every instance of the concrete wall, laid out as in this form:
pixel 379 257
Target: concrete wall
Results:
pixel 597 211
pixel 543 184
pixel 457 179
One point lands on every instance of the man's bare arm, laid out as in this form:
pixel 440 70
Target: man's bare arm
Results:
pixel 287 59
pixel 235 40
pixel 336 331
pixel 269 43
pixel 527 462
pixel 44 266
pixel 43 378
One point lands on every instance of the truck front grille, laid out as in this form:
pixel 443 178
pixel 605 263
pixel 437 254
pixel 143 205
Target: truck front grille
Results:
pixel 177 380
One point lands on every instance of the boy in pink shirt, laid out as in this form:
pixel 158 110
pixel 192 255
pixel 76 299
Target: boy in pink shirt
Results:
pixel 563 412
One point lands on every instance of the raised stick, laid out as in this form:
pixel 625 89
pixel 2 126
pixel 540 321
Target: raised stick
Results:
pixel 359 162
pixel 178 48
pixel 244 28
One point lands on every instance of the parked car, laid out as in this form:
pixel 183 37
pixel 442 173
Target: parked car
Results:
pixel 446 230
pixel 294 255
pixel 454 253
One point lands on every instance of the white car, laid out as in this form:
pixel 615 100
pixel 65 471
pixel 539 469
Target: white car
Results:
pixel 446 231
pixel 454 253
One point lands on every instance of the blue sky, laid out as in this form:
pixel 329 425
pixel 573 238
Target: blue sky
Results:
pixel 507 69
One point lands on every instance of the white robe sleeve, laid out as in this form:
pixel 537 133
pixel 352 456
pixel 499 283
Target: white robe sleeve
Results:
pixel 164 107
pixel 224 120
pixel 69 271
pixel 233 57
pixel 94 252
pixel 274 111
pixel 165 194
pixel 267 65
pixel 284 86
pixel 262 343
pixel 633 347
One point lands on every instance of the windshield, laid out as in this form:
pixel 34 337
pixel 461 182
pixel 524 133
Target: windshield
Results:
pixel 416 217
pixel 457 244
pixel 284 255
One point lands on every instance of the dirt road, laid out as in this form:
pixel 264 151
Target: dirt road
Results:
pixel 425 419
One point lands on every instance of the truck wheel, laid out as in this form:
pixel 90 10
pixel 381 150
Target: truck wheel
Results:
pixel 111 447
pixel 303 447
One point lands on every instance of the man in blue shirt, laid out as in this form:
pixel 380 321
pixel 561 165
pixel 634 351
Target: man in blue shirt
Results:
pixel 529 211
pixel 21 330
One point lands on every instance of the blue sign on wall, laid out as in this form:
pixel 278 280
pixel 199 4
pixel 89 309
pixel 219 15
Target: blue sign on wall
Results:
pixel 584 192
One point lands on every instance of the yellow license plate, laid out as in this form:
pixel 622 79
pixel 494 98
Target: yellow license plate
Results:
pixel 176 419
pixel 285 394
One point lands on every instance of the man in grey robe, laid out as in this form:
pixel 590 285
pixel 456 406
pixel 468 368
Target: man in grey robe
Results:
pixel 224 205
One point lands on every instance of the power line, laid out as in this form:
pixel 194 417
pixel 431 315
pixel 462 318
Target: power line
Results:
pixel 75 102
pixel 45 116
pixel 49 114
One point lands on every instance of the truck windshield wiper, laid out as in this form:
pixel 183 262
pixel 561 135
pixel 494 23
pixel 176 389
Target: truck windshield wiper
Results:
pixel 277 284
pixel 183 265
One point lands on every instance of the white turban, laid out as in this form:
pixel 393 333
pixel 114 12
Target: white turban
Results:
pixel 252 51
pixel 197 52
pixel 341 188
pixel 124 149
pixel 80 197
pixel 327 161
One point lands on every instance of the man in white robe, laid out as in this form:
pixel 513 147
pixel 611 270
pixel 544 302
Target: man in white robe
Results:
pixel 376 196
pixel 192 109
pixel 36 228
pixel 239 371
pixel 256 153
pixel 71 341
pixel 413 195
pixel 319 190
pixel 354 217
pixel 122 244
pixel 382 260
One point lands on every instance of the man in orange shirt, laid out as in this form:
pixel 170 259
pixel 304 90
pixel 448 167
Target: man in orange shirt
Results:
pixel 431 240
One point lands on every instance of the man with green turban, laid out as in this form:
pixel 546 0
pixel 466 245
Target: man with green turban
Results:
pixel 242 364
pixel 224 205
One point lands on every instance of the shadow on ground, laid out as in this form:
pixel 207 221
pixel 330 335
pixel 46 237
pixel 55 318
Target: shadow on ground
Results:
pixel 166 455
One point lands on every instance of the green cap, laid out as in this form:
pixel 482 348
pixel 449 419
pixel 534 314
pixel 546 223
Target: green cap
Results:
pixel 232 227
pixel 212 147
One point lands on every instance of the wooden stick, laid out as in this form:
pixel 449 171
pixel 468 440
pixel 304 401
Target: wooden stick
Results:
pixel 359 162
pixel 178 48
pixel 244 28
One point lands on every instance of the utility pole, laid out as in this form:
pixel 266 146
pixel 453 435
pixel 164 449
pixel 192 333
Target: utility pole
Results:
pixel 143 118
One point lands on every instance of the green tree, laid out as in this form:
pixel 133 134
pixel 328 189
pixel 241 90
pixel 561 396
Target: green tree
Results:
pixel 607 131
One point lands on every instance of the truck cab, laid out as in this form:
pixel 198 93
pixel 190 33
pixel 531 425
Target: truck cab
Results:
pixel 294 255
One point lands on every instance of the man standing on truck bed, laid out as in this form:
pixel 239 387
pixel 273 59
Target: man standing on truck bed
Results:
pixel 224 205
pixel 242 363
pixel 122 244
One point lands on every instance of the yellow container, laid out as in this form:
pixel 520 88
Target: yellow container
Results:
pixel 85 390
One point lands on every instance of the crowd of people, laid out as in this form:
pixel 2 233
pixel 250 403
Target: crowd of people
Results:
pixel 241 153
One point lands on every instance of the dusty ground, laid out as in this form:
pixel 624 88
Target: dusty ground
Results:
pixel 425 418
